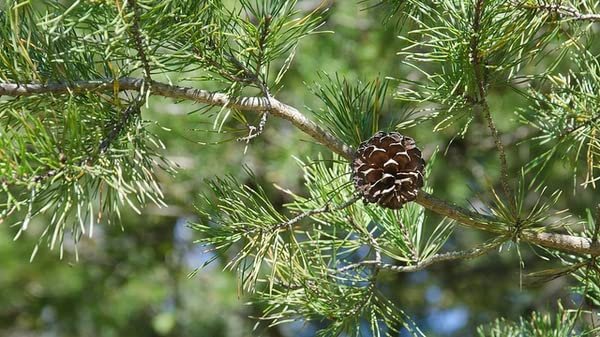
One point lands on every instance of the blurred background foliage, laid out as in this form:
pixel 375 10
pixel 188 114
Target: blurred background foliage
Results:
pixel 132 280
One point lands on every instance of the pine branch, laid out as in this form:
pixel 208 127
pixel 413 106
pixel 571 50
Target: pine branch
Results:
pixel 257 104
pixel 482 100
pixel 566 243
pixel 562 10
pixel 138 40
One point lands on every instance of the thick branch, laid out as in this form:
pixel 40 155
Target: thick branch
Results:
pixel 201 96
pixel 562 242
pixel 567 243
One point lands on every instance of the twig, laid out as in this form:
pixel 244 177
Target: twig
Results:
pixel 134 108
pixel 508 139
pixel 562 242
pixel 587 123
pixel 570 12
pixel 261 83
pixel 325 209
pixel 372 242
pixel 139 41
pixel 482 101
pixel 45 175
pixel 118 126
pixel 450 256
pixel 409 243
pixel 254 131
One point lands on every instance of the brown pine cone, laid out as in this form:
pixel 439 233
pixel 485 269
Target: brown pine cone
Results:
pixel 387 169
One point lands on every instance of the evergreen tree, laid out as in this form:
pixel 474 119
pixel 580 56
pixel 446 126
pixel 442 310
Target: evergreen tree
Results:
pixel 76 76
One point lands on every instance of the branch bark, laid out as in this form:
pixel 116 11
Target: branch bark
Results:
pixel 467 218
pixel 257 104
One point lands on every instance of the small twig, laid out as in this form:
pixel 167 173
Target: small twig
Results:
pixel 372 242
pixel 325 209
pixel 134 108
pixel 139 40
pixel 570 12
pixel 375 263
pixel 45 175
pixel 481 102
pixel 254 131
pixel 460 255
pixel 118 126
pixel 413 250
pixel 508 139
pixel 375 246
pixel 261 83
pixel 587 123
pixel 501 151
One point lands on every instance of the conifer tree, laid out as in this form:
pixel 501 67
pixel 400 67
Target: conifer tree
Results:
pixel 76 77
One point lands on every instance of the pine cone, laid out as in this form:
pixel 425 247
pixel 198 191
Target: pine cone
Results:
pixel 387 169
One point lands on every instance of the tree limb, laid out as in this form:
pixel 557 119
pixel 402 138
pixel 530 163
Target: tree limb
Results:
pixel 566 243
pixel 278 108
